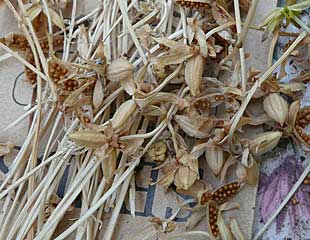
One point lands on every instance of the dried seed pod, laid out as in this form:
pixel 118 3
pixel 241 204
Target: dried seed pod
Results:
pixel 264 142
pixel 193 73
pixel 30 75
pixel 157 151
pixel 185 177
pixel 215 158
pixel 57 72
pixel 226 192
pixel 119 70
pixel 123 113
pixel 15 41
pixel 88 138
pixel 213 217
pixel 194 3
pixel 300 118
pixel 276 107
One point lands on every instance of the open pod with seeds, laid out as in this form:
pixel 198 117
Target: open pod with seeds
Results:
pixel 62 74
pixel 299 120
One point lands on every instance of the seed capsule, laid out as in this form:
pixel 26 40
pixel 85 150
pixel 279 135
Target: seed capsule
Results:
pixel 193 73
pixel 119 70
pixel 276 107
pixel 215 158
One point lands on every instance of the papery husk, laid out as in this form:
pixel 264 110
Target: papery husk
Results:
pixel 98 94
pixel 188 127
pixel 291 88
pixel 119 70
pixel 88 138
pixel 235 229
pixel 223 228
pixel 215 158
pixel 252 174
pixel 109 164
pixel 193 73
pixel 178 54
pixel 241 172
pixel 231 160
pixel 129 147
pixel 158 98
pixel 292 114
pixel 276 107
pixel 264 142
pixel 157 152
pixel 6 148
pixel 167 179
pixel 123 113
pixel 185 177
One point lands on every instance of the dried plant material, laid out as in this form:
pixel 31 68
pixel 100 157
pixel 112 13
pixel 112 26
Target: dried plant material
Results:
pixel 185 177
pixel 226 192
pixel 6 148
pixel 299 118
pixel 123 113
pixel 235 229
pixel 193 73
pixel 88 138
pixel 189 128
pixel 98 94
pixel 276 107
pixel 215 158
pixel 223 228
pixel 119 70
pixel 264 142
pixel 157 151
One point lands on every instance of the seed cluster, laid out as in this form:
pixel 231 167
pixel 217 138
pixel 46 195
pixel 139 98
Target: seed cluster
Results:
pixel 202 104
pixel 213 215
pixel 192 4
pixel 302 120
pixel 20 41
pixel 223 194
pixel 58 73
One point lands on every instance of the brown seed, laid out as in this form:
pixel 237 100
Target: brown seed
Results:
pixel 294 201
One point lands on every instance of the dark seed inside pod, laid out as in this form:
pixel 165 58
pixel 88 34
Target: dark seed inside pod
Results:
pixel 225 192
pixel 213 215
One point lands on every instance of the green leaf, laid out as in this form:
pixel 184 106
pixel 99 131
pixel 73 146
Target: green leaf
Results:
pixel 274 14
